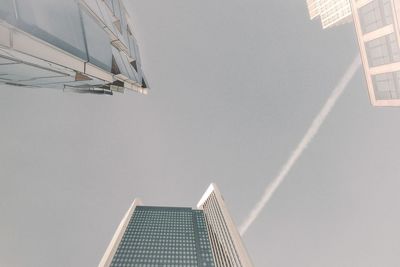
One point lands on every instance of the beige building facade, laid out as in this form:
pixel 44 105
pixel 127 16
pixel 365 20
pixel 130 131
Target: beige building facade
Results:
pixel 227 245
pixel 331 12
pixel 377 27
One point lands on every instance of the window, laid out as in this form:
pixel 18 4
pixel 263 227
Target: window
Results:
pixel 98 43
pixel 383 50
pixel 375 15
pixel 386 85
pixel 56 22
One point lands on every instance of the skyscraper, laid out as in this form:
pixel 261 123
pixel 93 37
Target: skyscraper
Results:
pixel 176 236
pixel 377 28
pixel 331 12
pixel 84 46
pixel 378 33
pixel 227 244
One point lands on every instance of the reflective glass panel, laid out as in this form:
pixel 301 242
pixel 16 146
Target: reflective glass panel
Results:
pixel 98 43
pixel 7 11
pixel 375 15
pixel 383 50
pixel 56 22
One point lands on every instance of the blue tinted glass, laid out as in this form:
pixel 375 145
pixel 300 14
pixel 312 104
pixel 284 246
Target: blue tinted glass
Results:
pixel 98 43
pixel 162 236
pixel 56 22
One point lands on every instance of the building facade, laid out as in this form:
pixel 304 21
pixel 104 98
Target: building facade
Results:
pixel 175 236
pixel 331 12
pixel 227 244
pixel 377 27
pixel 83 46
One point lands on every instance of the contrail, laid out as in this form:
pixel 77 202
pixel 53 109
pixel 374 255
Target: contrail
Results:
pixel 311 132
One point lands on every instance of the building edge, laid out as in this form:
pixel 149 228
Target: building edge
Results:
pixel 232 228
pixel 114 243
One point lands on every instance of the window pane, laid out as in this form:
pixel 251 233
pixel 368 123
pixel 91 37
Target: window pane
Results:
pixel 98 43
pixel 376 14
pixel 383 50
pixel 7 11
pixel 56 22
pixel 119 62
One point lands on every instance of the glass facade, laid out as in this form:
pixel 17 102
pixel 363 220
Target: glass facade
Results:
pixel 164 236
pixel 383 50
pixel 375 15
pixel 224 248
pixel 228 248
pixel 377 32
pixel 84 31
pixel 56 22
pixel 98 43
pixel 387 85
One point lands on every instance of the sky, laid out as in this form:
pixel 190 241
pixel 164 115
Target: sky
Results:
pixel 234 87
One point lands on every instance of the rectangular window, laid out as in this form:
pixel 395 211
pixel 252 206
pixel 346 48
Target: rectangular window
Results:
pixel 375 15
pixel 386 85
pixel 98 43
pixel 383 50
pixel 56 22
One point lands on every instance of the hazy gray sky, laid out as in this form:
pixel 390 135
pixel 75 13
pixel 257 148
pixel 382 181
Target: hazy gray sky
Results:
pixel 235 85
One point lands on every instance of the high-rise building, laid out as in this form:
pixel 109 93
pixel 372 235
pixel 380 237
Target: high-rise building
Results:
pixel 377 28
pixel 313 8
pixel 331 12
pixel 176 236
pixel 84 46
pixel 378 33
pixel 227 244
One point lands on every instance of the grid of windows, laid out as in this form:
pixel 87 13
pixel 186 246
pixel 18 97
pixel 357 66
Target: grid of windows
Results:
pixel 223 245
pixel 383 50
pixel 313 8
pixel 164 236
pixel 387 85
pixel 203 240
pixel 375 15
pixel 334 12
pixel 331 12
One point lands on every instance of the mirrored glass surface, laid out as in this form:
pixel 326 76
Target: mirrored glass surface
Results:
pixel 7 11
pixel 98 43
pixel 386 85
pixel 56 22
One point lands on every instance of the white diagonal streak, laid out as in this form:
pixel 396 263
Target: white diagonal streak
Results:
pixel 311 132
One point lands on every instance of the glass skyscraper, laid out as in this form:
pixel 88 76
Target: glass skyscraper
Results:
pixel 174 236
pixel 164 236
pixel 83 46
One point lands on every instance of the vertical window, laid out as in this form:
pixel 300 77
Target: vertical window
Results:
pixel 98 43
pixel 383 50
pixel 386 85
pixel 375 15
pixel 56 22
